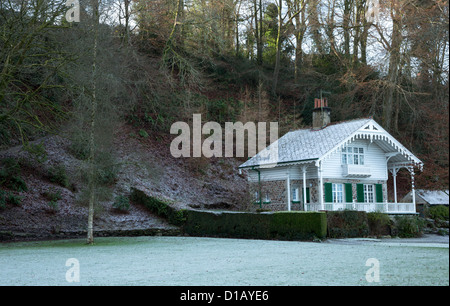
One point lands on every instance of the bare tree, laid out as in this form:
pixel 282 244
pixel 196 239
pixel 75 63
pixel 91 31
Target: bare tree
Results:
pixel 91 185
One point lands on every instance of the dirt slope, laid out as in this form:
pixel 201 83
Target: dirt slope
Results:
pixel 146 163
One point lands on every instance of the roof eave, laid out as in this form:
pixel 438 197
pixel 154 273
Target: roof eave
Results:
pixel 272 165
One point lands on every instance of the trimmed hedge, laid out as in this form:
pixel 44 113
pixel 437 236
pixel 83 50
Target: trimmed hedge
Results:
pixel 158 207
pixel 276 225
pixel 347 224
pixel 298 225
pixel 380 224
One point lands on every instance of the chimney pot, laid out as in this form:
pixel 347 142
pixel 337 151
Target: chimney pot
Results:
pixel 321 113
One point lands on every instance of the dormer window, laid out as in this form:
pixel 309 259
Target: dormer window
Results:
pixel 353 156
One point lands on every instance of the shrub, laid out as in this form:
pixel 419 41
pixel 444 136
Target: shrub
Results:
pixel 10 175
pixel 80 147
pixel 408 226
pixel 106 169
pixel 16 183
pixel 121 203
pixel 53 205
pixel 14 199
pixel 37 152
pixel 159 207
pixel 57 174
pixel 379 224
pixel 143 133
pixel 9 197
pixel 347 224
pixel 52 195
pixel 438 212
pixel 2 199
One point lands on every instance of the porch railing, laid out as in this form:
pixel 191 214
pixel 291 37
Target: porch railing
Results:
pixel 369 207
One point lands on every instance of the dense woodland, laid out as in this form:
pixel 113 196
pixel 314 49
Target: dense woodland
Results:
pixel 150 63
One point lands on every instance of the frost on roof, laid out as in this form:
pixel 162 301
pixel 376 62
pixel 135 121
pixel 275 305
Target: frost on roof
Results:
pixel 434 196
pixel 307 144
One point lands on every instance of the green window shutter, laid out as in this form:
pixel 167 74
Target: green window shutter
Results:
pixel 328 192
pixel 360 193
pixel 308 196
pixel 379 193
pixel 348 193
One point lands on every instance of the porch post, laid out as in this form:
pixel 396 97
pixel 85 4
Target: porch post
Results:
pixel 394 176
pixel 411 170
pixel 288 182
pixel 322 207
pixel 304 187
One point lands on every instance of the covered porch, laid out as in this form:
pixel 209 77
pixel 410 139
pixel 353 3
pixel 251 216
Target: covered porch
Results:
pixel 323 203
pixel 390 208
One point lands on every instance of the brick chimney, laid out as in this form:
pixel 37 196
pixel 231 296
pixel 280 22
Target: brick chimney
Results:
pixel 321 114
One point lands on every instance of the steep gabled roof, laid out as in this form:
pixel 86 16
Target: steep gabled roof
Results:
pixel 314 145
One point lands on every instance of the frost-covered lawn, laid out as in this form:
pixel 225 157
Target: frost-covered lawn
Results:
pixel 209 261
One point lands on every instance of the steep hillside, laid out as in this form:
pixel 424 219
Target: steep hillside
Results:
pixel 145 163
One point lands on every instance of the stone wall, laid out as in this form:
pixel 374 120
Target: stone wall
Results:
pixel 277 192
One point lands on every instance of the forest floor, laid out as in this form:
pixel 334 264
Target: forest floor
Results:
pixel 145 163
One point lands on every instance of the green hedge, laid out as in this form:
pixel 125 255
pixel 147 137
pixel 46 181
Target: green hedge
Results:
pixel 347 224
pixel 409 226
pixel 158 207
pixel 380 224
pixel 276 225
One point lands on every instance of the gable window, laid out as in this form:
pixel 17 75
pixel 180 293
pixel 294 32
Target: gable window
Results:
pixel 352 156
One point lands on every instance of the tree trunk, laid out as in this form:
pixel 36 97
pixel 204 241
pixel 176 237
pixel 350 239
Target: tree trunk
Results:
pixel 127 21
pixel 257 35
pixel 237 9
pixel 394 62
pixel 346 26
pixel 357 31
pixel 90 232
pixel 330 28
pixel 278 50
pixel 261 31
pixel 315 25
pixel 299 35
pixel 363 43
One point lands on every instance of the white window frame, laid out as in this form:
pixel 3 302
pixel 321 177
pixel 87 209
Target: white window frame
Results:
pixel 256 196
pixel 369 193
pixel 295 194
pixel 352 155
pixel 267 198
pixel 338 193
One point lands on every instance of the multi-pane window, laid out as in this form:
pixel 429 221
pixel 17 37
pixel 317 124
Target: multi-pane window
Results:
pixel 295 195
pixel 338 193
pixel 353 156
pixel 368 193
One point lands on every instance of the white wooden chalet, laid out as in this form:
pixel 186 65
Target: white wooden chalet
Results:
pixel 331 166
